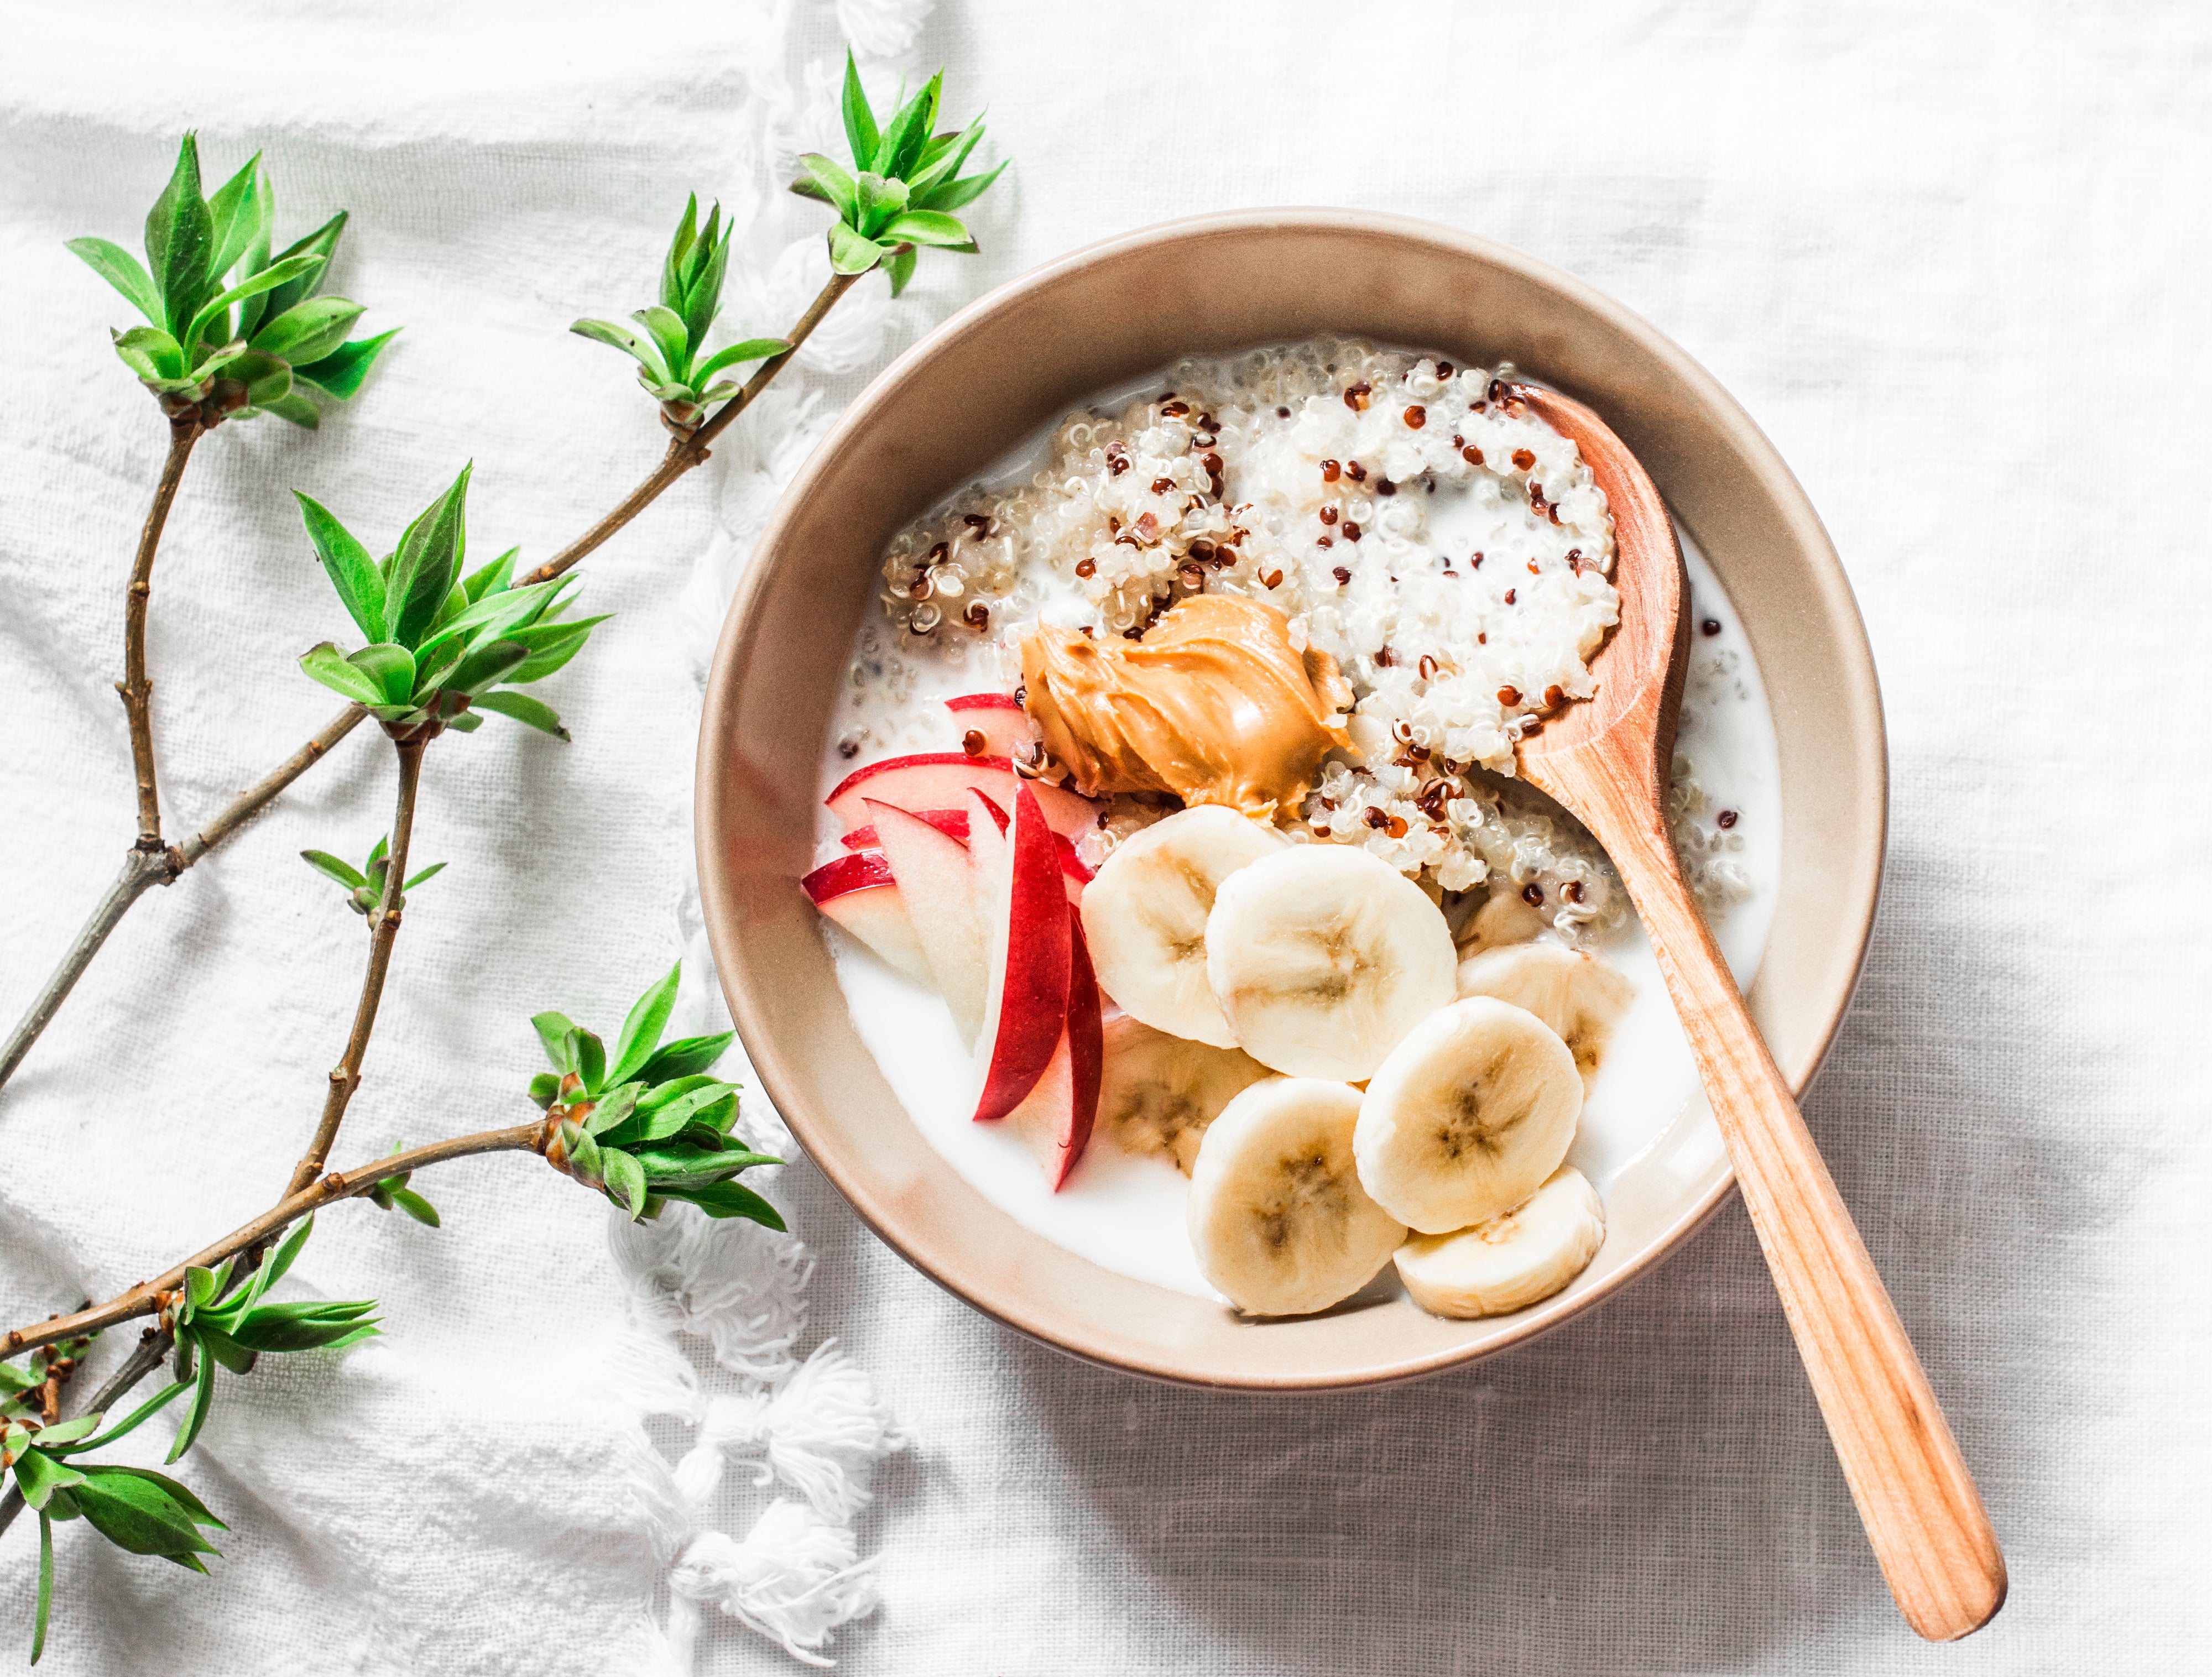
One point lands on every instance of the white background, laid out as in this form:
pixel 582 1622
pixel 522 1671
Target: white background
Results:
pixel 1953 258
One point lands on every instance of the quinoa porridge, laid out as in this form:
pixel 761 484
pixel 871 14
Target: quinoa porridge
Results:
pixel 1322 591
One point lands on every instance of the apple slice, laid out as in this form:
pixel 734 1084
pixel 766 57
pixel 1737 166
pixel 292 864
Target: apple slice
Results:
pixel 955 821
pixel 934 881
pixel 860 893
pixel 1057 1116
pixel 937 779
pixel 998 726
pixel 1025 917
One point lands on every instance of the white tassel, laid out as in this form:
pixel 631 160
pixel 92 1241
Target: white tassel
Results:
pixel 732 1283
pixel 795 1578
pixel 822 1432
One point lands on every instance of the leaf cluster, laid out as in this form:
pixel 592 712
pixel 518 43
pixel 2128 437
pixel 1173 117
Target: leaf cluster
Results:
pixel 904 182
pixel 133 1507
pixel 393 1193
pixel 443 646
pixel 232 330
pixel 221 1319
pixel 647 1125
pixel 21 1383
pixel 672 364
pixel 364 885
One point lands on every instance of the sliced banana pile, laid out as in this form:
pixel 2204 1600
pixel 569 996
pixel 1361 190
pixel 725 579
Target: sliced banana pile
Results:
pixel 1260 981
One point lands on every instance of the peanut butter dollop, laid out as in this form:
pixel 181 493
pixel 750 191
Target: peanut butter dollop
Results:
pixel 1213 705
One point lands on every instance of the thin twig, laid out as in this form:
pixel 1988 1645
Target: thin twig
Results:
pixel 137 690
pixel 687 451
pixel 150 1297
pixel 145 869
pixel 345 1076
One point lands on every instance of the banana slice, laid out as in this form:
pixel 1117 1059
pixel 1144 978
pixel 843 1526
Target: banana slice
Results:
pixel 1579 996
pixel 1160 1092
pixel 1278 1218
pixel 1145 912
pixel 1468 1116
pixel 1323 957
pixel 1512 1261
pixel 1506 917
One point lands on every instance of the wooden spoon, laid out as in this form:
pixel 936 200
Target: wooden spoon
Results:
pixel 1608 760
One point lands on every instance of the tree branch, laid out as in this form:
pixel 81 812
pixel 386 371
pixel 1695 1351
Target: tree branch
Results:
pixel 143 869
pixel 148 1298
pixel 687 451
pixel 137 690
pixel 345 1077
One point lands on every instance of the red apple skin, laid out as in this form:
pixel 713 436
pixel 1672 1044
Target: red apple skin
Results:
pixel 955 821
pixel 1057 1116
pixel 933 872
pixel 1004 725
pixel 1026 1001
pixel 937 779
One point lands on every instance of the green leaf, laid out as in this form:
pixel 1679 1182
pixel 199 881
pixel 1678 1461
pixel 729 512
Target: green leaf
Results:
pixel 323 242
pixel 19 1377
pixel 521 708
pixel 415 1207
pixel 281 1260
pixel 901 149
pixel 68 1432
pixel 901 267
pixel 434 867
pixel 150 353
pixel 352 572
pixel 545 1089
pixel 641 1031
pixel 666 328
pixel 585 1159
pixel 220 1347
pixel 942 157
pixel 201 1287
pixel 829 183
pixel 551 645
pixel 859 118
pixel 344 872
pixel 328 665
pixel 553 1030
pixel 752 348
pixel 612 1107
pixel 491 579
pixel 296 409
pixel 238 213
pixel 46 1586
pixel 499 610
pixel 849 253
pixel 309 329
pixel 308 1324
pixel 675 266
pixel 625 1182
pixel 120 269
pixel 686 1057
pixel 956 194
pixel 391 667
pixel 725 1199
pixel 267 280
pixel 623 339
pixel 702 295
pixel 591 1061
pixel 879 200
pixel 142 1511
pixel 490 661
pixel 423 569
pixel 928 226
pixel 38 1475
pixel 341 374
pixel 179 241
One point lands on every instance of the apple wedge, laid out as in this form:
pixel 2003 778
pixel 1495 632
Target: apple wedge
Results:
pixel 860 893
pixel 1017 883
pixel 1056 1116
pixel 938 780
pixel 936 883
pixel 998 726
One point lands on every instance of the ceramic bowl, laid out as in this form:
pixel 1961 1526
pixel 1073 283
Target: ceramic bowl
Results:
pixel 1015 362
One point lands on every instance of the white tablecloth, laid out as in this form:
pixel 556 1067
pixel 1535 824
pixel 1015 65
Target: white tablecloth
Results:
pixel 1952 259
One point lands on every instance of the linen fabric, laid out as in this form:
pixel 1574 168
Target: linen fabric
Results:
pixel 1947 257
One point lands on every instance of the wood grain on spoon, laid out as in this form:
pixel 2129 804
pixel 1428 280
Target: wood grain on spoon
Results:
pixel 1606 759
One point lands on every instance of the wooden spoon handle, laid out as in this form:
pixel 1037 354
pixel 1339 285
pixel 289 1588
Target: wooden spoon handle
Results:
pixel 1914 1493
